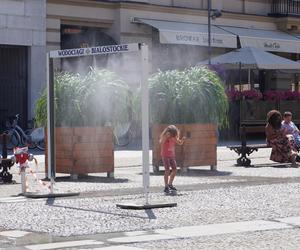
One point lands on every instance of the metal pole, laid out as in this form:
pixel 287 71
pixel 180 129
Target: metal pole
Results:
pixel 50 121
pixel 209 30
pixel 249 77
pixel 145 120
pixel 4 145
pixel 23 179
pixel 240 75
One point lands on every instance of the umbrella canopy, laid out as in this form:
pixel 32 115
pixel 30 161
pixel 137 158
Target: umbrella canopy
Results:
pixel 253 58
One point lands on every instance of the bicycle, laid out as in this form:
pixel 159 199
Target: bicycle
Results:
pixel 127 133
pixel 123 135
pixel 36 136
pixel 33 138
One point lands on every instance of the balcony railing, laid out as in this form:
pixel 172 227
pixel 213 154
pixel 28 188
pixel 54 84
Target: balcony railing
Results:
pixel 281 8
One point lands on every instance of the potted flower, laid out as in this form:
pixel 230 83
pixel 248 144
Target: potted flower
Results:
pixel 194 100
pixel 87 109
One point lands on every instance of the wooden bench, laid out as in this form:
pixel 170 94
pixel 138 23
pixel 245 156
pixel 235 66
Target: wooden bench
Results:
pixel 245 149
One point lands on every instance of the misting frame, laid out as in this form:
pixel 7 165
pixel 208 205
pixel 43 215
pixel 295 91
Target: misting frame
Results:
pixel 142 49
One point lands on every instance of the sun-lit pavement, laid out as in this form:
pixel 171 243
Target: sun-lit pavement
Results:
pixel 232 208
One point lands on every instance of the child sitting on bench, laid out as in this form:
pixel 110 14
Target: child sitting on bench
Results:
pixel 290 127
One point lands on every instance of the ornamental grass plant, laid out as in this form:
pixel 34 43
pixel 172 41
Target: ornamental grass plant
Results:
pixel 194 95
pixel 98 98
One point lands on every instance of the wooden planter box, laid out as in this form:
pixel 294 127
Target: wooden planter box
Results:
pixel 199 149
pixel 83 150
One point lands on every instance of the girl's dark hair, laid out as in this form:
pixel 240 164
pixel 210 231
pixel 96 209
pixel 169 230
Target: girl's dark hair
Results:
pixel 274 118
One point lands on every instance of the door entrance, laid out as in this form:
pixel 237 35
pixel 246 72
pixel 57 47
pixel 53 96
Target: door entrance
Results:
pixel 13 83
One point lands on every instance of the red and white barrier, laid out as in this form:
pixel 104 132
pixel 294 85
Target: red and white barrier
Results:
pixel 22 157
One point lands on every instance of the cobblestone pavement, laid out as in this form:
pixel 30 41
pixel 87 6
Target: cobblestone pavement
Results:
pixel 264 193
pixel 128 174
pixel 275 239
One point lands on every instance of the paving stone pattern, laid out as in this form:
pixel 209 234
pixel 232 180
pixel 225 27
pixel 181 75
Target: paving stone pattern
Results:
pixel 265 191
pixel 99 215
pixel 281 239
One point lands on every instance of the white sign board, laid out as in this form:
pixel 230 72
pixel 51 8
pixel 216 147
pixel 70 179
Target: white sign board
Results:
pixel 100 50
pixel 268 44
pixel 197 38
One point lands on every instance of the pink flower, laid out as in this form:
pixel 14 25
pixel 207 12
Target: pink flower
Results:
pixel 234 95
pixel 269 95
pixel 272 95
pixel 252 94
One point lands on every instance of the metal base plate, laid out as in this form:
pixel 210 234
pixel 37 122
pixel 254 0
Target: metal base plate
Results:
pixel 53 195
pixel 145 206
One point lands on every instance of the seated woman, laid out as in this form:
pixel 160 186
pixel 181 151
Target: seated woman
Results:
pixel 283 147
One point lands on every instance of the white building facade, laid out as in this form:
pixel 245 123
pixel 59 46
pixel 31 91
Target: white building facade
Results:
pixel 175 30
pixel 22 56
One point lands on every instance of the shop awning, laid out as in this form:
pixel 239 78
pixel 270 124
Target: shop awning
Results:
pixel 268 40
pixel 190 33
pixel 253 58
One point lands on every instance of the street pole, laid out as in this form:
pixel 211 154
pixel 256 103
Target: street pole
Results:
pixel 50 122
pixel 145 136
pixel 145 120
pixel 209 30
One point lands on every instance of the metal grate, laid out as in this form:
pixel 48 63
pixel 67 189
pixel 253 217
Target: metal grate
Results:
pixel 285 8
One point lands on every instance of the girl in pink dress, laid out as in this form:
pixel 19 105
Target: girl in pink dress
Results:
pixel 168 140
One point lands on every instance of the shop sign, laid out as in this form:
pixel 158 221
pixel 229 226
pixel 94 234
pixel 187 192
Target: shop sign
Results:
pixel 195 38
pixel 272 45
pixel 288 46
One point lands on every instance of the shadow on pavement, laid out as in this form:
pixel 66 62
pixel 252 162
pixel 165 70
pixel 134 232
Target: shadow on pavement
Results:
pixel 197 172
pixel 269 165
pixel 238 142
pixel 150 213
pixel 50 201
pixel 92 179
pixel 205 172
pixel 99 211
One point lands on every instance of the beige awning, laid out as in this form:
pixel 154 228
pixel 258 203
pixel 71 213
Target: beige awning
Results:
pixel 268 40
pixel 190 33
pixel 253 58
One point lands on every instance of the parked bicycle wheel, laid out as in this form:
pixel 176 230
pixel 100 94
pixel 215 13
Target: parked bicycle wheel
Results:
pixel 14 139
pixel 37 136
pixel 122 134
pixel 41 145
pixel 123 140
pixel 28 140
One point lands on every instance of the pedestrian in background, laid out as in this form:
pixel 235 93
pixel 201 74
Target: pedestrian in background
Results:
pixel 290 127
pixel 283 146
pixel 168 140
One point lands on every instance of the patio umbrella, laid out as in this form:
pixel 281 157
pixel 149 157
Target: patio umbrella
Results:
pixel 253 58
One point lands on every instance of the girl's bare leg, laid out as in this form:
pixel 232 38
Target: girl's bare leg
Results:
pixel 166 176
pixel 172 176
